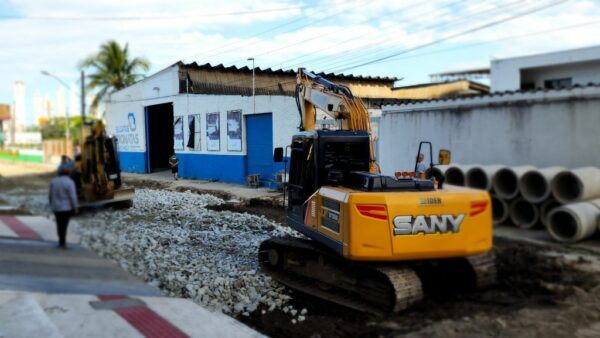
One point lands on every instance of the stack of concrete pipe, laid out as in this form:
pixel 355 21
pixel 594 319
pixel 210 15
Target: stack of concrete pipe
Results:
pixel 566 202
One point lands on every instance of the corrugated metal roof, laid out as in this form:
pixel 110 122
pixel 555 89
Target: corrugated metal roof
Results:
pixel 258 70
pixel 509 93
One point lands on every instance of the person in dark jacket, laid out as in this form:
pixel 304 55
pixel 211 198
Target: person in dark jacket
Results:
pixel 63 202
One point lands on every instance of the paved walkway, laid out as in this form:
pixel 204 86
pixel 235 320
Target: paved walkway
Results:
pixel 238 191
pixel 51 292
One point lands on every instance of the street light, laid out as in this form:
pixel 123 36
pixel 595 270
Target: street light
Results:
pixel 81 94
pixel 253 87
pixel 68 132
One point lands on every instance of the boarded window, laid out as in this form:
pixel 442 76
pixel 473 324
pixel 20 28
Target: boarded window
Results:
pixel 194 133
pixel 178 133
pixel 213 132
pixel 234 130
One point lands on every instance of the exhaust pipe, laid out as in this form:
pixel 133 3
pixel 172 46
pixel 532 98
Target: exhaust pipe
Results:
pixel 523 214
pixel 480 177
pixel 545 209
pixel 534 185
pixel 506 181
pixel 500 210
pixel 576 185
pixel 574 222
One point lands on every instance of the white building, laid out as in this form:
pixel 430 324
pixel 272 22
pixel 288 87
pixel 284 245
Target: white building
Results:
pixel 552 122
pixel 61 107
pixel 547 71
pixel 208 116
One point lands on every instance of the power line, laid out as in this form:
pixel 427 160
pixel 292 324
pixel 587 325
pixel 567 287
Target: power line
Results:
pixel 364 21
pixel 139 18
pixel 507 38
pixel 285 63
pixel 237 46
pixel 313 38
pixel 360 51
pixel 452 36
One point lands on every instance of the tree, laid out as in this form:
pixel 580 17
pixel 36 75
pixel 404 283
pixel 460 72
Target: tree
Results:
pixel 112 70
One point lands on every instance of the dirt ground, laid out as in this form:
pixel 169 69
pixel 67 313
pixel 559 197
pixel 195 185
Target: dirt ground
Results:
pixel 540 293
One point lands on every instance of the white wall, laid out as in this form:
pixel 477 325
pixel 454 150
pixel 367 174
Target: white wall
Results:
pixel 133 99
pixel 543 129
pixel 506 73
pixel 283 108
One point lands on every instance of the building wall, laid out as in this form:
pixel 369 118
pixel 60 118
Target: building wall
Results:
pixel 224 164
pixel 227 165
pixel 580 73
pixel 506 73
pixel 541 128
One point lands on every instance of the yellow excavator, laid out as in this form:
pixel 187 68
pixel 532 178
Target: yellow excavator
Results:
pixel 97 173
pixel 374 243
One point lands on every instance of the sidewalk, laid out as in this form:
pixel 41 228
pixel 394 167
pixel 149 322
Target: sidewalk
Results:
pixel 50 292
pixel 236 191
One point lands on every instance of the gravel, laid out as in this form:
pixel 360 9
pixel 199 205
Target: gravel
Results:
pixel 172 241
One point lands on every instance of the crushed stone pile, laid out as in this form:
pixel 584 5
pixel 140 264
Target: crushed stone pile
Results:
pixel 172 241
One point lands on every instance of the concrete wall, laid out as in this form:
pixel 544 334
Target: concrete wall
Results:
pixel 540 128
pixel 506 73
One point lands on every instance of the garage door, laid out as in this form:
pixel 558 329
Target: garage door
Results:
pixel 259 141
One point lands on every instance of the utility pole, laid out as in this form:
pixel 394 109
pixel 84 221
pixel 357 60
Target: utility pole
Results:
pixel 253 87
pixel 82 97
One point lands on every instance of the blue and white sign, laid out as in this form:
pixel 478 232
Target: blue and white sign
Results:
pixel 128 134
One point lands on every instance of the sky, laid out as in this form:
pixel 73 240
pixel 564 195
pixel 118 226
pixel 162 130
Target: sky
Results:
pixel 403 38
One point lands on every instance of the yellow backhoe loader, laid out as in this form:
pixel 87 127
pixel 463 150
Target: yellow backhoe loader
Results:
pixel 97 172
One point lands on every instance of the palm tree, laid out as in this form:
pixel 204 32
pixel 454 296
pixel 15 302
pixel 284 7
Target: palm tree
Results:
pixel 113 70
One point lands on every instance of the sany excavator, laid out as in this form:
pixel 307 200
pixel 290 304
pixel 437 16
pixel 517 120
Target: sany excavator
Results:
pixel 375 242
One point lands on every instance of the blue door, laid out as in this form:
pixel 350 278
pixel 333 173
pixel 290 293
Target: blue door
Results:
pixel 259 141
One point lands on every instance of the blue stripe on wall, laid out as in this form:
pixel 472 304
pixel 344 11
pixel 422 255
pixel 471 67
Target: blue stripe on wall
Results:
pixel 133 162
pixel 225 168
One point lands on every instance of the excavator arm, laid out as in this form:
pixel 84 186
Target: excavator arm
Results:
pixel 335 100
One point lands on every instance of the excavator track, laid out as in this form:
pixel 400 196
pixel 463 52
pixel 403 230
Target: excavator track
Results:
pixel 377 288
pixel 305 266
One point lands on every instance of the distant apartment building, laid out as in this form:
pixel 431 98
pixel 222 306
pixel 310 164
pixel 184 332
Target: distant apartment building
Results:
pixel 19 115
pixel 547 71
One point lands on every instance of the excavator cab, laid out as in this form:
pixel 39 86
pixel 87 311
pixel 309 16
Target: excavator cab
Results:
pixel 320 158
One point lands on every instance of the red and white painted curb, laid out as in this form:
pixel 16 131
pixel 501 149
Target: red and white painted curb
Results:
pixel 32 228
pixel 67 315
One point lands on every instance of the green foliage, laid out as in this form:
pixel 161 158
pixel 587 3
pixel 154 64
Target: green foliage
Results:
pixel 57 126
pixel 112 69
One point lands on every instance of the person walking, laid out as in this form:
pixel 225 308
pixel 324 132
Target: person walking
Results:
pixel 174 163
pixel 63 202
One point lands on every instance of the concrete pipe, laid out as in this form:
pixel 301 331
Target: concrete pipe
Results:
pixel 480 177
pixel 524 214
pixel 534 185
pixel 545 209
pixel 506 181
pixel 500 210
pixel 438 171
pixel 455 174
pixel 574 222
pixel 576 185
